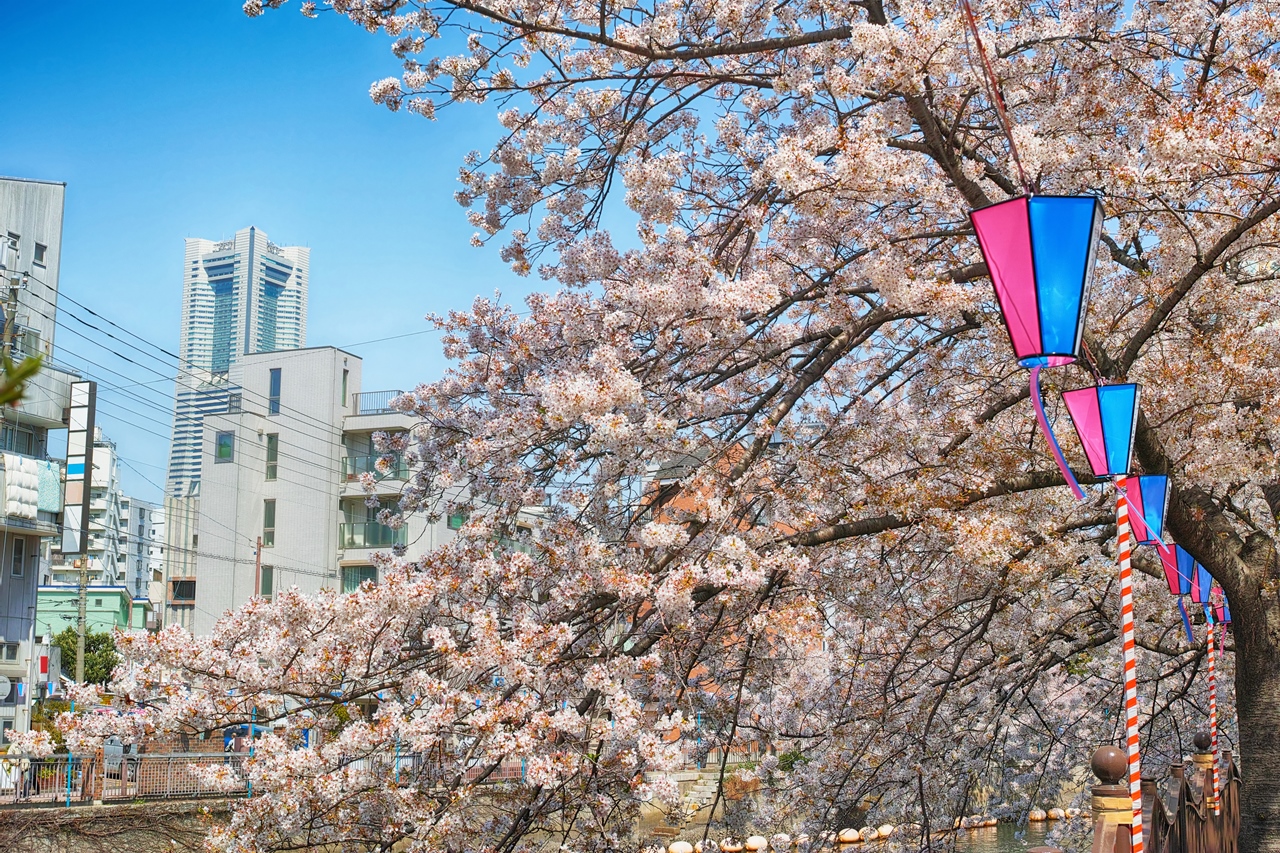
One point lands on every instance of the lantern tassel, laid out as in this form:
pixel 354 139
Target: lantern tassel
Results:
pixel 1038 401
pixel 1186 621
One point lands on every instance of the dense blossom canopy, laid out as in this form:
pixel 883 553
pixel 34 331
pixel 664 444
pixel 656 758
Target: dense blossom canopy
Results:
pixel 789 486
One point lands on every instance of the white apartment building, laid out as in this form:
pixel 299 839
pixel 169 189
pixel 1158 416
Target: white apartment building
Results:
pixel 284 470
pixel 30 252
pixel 240 296
pixel 140 522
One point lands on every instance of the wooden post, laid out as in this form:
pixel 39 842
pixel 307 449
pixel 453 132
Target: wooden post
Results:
pixel 100 774
pixel 1112 805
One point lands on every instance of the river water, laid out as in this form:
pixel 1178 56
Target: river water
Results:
pixel 1005 838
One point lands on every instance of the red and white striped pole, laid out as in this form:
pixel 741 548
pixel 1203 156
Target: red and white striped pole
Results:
pixel 1213 717
pixel 1124 539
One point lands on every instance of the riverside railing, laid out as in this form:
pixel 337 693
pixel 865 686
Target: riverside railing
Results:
pixel 1178 812
pixel 62 780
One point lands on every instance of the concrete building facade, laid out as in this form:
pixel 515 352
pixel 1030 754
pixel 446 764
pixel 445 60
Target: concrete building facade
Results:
pixel 240 296
pixel 140 523
pixel 287 473
pixel 30 253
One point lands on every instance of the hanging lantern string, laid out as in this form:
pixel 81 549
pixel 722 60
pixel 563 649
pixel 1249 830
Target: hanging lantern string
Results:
pixel 993 91
pixel 1091 363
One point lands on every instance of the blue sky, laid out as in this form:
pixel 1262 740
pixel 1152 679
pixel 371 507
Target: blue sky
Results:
pixel 177 118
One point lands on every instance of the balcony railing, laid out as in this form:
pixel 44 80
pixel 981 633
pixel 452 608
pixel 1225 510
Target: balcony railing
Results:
pixel 354 466
pixel 369 534
pixel 375 402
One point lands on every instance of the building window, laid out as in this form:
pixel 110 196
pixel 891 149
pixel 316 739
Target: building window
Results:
pixel 182 590
pixel 273 455
pixel 19 557
pixel 273 398
pixel 233 404
pixel 353 576
pixel 267 585
pixel 41 249
pixel 344 386
pixel 97 602
pixel 14 696
pixel 457 519
pixel 17 439
pixel 8 651
pixel 268 524
pixel 225 447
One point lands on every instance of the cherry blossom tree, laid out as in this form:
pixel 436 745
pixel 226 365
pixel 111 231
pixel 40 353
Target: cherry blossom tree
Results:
pixel 790 488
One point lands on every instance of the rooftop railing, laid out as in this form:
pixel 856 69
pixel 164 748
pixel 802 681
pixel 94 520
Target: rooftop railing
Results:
pixel 375 402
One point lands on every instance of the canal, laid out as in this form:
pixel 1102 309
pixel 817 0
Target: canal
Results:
pixel 1005 838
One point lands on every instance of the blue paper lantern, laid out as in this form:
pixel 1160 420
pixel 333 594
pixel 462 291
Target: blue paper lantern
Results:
pixel 1040 251
pixel 1149 502
pixel 1105 418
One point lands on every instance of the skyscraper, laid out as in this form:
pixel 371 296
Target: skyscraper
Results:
pixel 240 296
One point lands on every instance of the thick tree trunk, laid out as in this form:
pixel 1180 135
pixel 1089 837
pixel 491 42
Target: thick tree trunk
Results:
pixel 1258 706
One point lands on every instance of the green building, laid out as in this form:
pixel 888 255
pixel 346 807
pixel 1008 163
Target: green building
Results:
pixel 107 607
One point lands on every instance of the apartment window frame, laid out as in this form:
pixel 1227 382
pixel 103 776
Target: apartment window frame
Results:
pixel 224 439
pixel 40 255
pixel 266 582
pixel 275 381
pixel 353 577
pixel 269 523
pixel 457 519
pixel 273 455
pixel 9 652
pixel 345 374
pixel 183 585
pixel 18 558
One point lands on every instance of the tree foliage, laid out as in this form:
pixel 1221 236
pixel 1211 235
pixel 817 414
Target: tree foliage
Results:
pixel 790 484
pixel 100 657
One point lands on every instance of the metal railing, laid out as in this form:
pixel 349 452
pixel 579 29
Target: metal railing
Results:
pixel 375 402
pixel 175 776
pixel 58 779
pixel 354 466
pixel 73 780
pixel 370 534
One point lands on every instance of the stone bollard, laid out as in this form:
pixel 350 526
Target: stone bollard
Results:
pixel 1112 807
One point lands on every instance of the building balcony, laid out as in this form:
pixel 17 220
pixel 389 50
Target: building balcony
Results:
pixel 369 534
pixel 354 466
pixel 46 401
pixel 374 402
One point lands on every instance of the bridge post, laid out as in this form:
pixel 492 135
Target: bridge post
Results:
pixel 1202 761
pixel 1112 807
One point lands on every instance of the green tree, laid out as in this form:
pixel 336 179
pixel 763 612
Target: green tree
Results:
pixel 100 656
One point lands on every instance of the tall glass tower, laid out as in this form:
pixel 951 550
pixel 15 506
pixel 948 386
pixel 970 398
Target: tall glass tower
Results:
pixel 239 296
